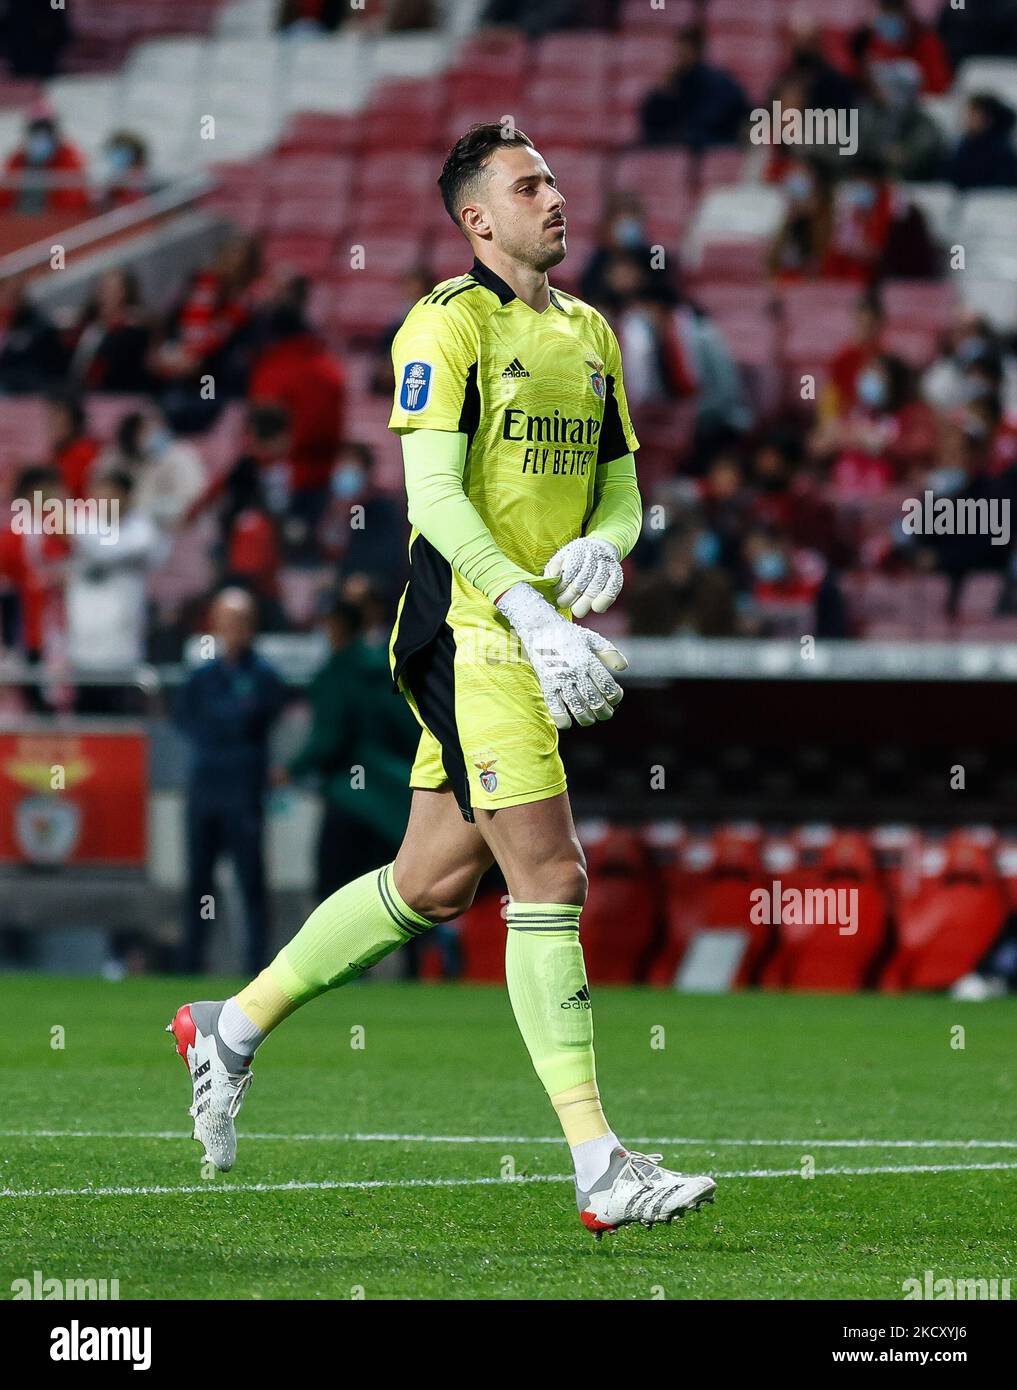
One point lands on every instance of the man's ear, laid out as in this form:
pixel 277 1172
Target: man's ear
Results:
pixel 474 219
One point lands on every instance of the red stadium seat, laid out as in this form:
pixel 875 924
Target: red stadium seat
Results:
pixel 951 919
pixel 482 937
pixel 821 955
pixel 620 918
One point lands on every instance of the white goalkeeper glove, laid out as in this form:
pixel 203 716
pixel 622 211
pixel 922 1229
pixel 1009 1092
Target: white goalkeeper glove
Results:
pixel 573 664
pixel 591 575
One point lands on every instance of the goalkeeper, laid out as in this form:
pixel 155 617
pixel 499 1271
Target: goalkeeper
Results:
pixel 522 493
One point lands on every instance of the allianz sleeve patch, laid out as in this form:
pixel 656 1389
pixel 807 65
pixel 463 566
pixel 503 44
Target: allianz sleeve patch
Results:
pixel 416 386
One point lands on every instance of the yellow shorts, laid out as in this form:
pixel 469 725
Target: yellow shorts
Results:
pixel 487 732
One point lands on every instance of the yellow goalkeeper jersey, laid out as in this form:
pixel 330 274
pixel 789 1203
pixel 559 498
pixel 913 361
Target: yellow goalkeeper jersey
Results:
pixel 540 399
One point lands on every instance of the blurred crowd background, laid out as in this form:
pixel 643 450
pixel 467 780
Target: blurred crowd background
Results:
pixel 810 336
pixel 801 348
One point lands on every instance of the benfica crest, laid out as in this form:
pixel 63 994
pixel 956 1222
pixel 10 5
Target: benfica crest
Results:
pixel 47 828
pixel 597 380
pixel 488 779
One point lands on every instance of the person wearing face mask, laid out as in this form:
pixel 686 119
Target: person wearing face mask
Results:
pixel 896 33
pixel 801 242
pixel 889 437
pixel 892 125
pixel 622 232
pixel 862 218
pixel 364 530
pixel 126 170
pixel 166 473
pixel 46 173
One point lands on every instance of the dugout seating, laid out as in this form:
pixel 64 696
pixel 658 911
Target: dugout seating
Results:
pixel 819 956
pixel 950 918
pixel 707 887
pixel 620 918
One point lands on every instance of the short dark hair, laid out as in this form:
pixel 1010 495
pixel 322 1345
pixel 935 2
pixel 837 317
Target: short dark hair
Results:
pixel 468 156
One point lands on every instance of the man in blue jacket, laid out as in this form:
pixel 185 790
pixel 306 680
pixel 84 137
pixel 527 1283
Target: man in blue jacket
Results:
pixel 226 708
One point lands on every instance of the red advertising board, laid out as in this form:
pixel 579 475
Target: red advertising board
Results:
pixel 73 796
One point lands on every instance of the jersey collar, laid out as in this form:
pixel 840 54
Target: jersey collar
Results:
pixel 485 276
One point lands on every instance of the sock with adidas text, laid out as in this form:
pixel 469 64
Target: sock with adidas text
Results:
pixel 546 977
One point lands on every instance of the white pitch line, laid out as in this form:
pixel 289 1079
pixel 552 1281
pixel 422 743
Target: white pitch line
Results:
pixel 334 1186
pixel 368 1138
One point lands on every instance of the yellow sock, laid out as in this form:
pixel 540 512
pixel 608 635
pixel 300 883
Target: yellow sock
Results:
pixel 264 1002
pixel 579 1111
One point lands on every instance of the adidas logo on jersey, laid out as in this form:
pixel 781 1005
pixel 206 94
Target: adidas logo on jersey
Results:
pixel 579 1000
pixel 515 369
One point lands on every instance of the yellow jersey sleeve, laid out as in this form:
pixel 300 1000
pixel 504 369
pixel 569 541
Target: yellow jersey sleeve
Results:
pixel 617 437
pixel 433 355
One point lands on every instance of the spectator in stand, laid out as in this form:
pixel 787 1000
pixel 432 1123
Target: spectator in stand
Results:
pixel 414 286
pixel 128 177
pixel 788 591
pixel 111 337
pixel 106 597
pixel 72 450
pixel 297 371
pixel 622 233
pixel 969 341
pixel 226 708
pixel 354 724
pixel 687 594
pixel 47 172
pixel 896 33
pixel 694 346
pixel 825 87
pixel 538 17
pixel 800 245
pixel 32 357
pixel 890 437
pixel 166 473
pixel 985 156
pixel 251 501
pixel 841 393
pixel 893 127
pixel 35 566
pixel 697 105
pixel 205 336
pixel 364 530
pixel 860 226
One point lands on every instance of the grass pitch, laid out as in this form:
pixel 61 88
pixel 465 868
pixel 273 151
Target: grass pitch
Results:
pixel 401 1153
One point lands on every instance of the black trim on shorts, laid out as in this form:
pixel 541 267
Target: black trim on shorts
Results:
pixel 429 675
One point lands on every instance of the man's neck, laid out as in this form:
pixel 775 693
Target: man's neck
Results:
pixel 529 285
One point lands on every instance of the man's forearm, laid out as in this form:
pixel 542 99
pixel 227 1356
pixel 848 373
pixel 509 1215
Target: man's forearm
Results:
pixel 617 514
pixel 434 462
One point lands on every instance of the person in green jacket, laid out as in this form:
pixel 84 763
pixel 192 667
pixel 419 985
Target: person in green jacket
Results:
pixel 359 748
